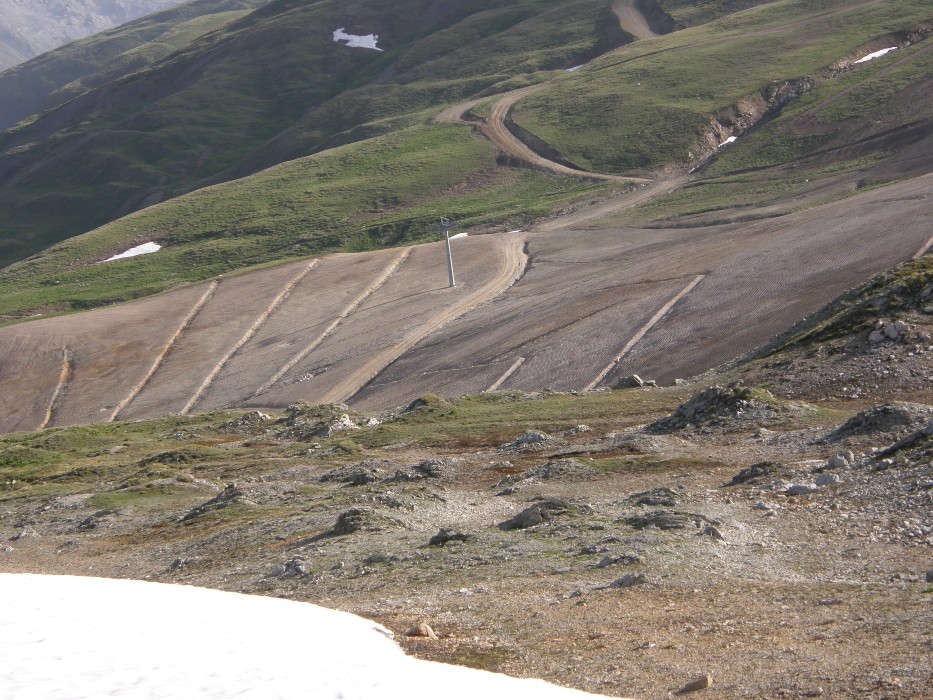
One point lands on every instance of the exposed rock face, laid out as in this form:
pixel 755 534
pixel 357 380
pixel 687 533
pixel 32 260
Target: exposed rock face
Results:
pixel 31 27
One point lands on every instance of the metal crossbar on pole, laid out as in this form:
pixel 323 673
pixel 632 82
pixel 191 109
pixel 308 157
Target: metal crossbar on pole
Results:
pixel 446 225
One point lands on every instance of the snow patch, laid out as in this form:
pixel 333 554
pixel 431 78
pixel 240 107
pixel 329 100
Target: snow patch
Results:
pixel 356 41
pixel 876 54
pixel 143 249
pixel 571 70
pixel 76 637
pixel 731 139
pixel 464 234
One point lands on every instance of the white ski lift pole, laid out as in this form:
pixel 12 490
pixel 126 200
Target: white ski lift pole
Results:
pixel 446 224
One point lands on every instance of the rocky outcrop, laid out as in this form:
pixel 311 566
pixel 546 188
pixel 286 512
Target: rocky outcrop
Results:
pixel 748 112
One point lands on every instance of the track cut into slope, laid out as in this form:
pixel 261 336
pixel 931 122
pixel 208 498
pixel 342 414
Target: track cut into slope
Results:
pixel 511 263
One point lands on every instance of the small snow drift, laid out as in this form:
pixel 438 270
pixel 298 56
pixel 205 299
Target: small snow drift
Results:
pixel 876 54
pixel 77 637
pixel 355 41
pixel 143 249
pixel 731 139
pixel 462 234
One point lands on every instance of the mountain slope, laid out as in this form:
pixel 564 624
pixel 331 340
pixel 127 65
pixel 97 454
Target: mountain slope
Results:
pixel 30 28
pixel 207 112
pixel 59 75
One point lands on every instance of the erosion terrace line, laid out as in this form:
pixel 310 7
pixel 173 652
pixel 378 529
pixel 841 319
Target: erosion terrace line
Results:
pixel 282 296
pixel 508 373
pixel 512 262
pixel 662 312
pixel 160 358
pixel 63 379
pixel 351 307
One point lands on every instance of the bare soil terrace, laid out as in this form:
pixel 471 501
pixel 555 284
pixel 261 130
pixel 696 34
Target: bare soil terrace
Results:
pixel 379 329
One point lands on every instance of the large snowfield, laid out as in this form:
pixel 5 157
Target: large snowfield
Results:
pixel 68 637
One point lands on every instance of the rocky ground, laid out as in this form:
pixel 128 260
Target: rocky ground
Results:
pixel 765 531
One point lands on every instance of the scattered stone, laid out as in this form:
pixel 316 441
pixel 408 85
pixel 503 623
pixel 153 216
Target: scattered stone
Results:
pixel 291 568
pixel 620 560
pixel 540 512
pixel 577 430
pixel 365 519
pixel 827 479
pixel 231 495
pixel 427 469
pixel 178 564
pixel 360 474
pixel 699 683
pixel 422 629
pixel 801 489
pixel 306 422
pixel 712 531
pixel 632 381
pixel 426 402
pixel 530 440
pixel 875 337
pixel 661 496
pixel 249 423
pixel 929 576
pixel 445 535
pixel 838 462
pixel 662 520
pixel 755 473
pixel 892 419
pixel 626 581
pixel 724 408
pixel 556 469
pixel 761 505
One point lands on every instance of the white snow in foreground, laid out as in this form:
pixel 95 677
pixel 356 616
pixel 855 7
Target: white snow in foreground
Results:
pixel 70 637
pixel 731 139
pixel 876 54
pixel 464 234
pixel 136 250
pixel 355 41
pixel 571 70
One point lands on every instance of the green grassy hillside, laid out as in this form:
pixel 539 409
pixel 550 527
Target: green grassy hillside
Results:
pixel 385 191
pixel 653 104
pixel 55 77
pixel 268 87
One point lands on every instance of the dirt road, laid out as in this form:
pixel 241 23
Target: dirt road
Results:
pixel 495 129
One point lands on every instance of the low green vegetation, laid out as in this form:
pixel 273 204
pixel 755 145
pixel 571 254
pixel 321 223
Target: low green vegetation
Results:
pixel 386 191
pixel 231 102
pixel 650 104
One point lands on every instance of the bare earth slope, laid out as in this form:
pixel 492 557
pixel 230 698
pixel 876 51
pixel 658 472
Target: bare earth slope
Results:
pixel 379 329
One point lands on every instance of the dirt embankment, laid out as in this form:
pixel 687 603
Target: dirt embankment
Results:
pixel 643 19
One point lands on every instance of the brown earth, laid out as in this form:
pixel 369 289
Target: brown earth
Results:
pixel 382 328
pixel 774 595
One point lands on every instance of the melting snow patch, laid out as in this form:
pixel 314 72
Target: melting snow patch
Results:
pixel 355 41
pixel 731 139
pixel 876 54
pixel 136 250
pixel 460 235
pixel 571 70
pixel 68 637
